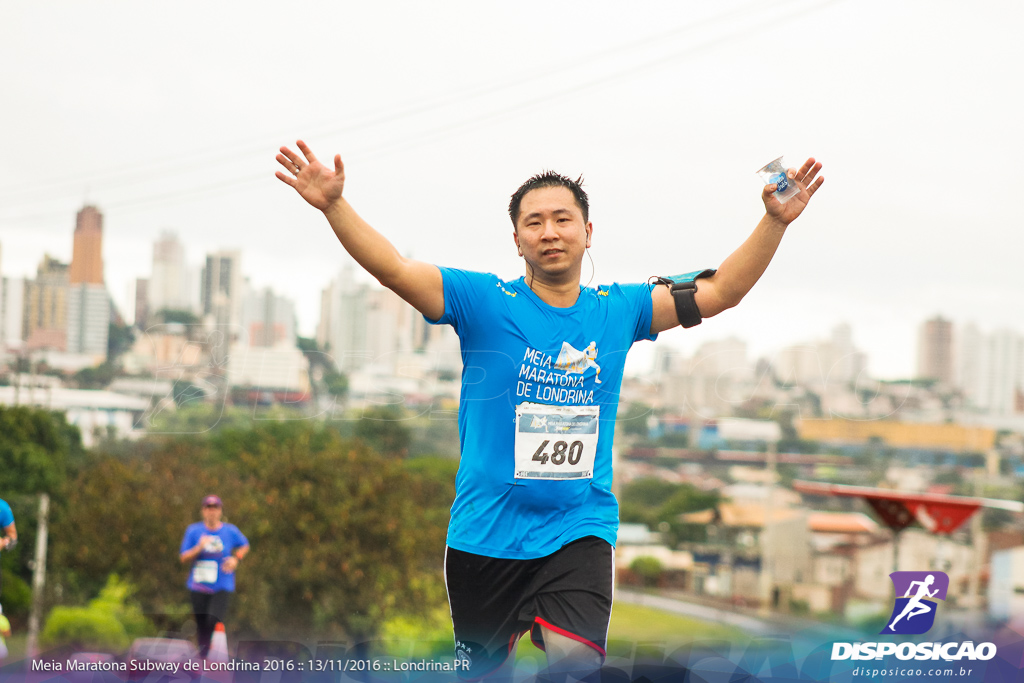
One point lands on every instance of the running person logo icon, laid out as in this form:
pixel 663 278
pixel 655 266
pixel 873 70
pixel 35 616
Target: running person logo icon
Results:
pixel 573 360
pixel 591 354
pixel 916 595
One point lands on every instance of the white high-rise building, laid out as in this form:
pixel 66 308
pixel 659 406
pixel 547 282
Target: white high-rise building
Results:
pixel 222 291
pixel 268 320
pixel 722 357
pixel 832 363
pixel 991 369
pixel 389 326
pixel 12 305
pixel 720 377
pixel 710 383
pixel 968 342
pixel 168 286
pixel 363 326
pixel 847 363
pixel 88 319
pixel 800 364
pixel 280 369
pixel 1002 380
pixel 935 351
pixel 341 332
pixel 194 287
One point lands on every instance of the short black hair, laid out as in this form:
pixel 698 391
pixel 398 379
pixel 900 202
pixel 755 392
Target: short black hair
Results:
pixel 550 179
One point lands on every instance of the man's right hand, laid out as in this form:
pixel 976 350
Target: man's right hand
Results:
pixel 419 283
pixel 317 184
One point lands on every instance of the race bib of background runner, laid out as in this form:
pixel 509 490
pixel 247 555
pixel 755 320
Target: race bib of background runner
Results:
pixel 556 442
pixel 205 571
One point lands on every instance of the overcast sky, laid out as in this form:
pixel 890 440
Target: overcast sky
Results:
pixel 168 116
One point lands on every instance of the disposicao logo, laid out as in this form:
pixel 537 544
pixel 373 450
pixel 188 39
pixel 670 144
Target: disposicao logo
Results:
pixel 917 596
pixel 914 612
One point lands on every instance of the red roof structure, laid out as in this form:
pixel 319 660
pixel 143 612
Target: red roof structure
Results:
pixel 939 514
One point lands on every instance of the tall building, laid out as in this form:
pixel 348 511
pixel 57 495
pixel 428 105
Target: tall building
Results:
pixel 12 311
pixel 268 320
pixel 719 377
pixel 342 328
pixel 848 363
pixel 141 302
pixel 714 359
pixel 87 252
pixel 968 342
pixel 828 364
pixel 800 364
pixel 170 281
pixel 222 291
pixel 88 319
pixel 1002 381
pixel 991 370
pixel 44 322
pixel 935 351
pixel 389 328
pixel 362 325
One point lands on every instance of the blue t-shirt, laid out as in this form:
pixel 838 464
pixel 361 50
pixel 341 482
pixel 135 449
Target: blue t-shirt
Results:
pixel 206 574
pixel 6 516
pixel 519 351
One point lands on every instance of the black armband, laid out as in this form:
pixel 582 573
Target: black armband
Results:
pixel 683 288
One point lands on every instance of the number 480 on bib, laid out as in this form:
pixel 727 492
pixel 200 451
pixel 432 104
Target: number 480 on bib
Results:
pixel 563 452
pixel 555 442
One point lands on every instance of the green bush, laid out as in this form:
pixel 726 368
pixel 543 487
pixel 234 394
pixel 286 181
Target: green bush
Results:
pixel 109 622
pixel 86 628
pixel 872 623
pixel 17 595
pixel 115 599
pixel 343 538
pixel 647 568
pixel 428 636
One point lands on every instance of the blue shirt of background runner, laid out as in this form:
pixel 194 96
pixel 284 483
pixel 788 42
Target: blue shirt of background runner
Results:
pixel 230 538
pixel 510 342
pixel 6 515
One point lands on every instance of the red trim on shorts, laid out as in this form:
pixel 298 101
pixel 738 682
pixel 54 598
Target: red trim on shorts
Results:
pixel 512 639
pixel 561 631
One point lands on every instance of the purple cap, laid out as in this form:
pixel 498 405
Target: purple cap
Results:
pixel 212 500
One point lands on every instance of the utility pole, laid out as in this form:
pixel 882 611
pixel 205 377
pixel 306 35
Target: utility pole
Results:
pixel 978 542
pixel 38 578
pixel 767 540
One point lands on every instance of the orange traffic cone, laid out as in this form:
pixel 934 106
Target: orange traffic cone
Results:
pixel 218 645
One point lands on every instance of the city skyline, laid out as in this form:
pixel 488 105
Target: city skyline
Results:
pixel 947 351
pixel 666 110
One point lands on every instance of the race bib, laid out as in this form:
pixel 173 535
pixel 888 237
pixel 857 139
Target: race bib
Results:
pixel 556 442
pixel 205 571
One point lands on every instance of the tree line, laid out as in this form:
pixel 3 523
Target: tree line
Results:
pixel 346 532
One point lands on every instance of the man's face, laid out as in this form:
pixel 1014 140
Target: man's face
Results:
pixel 551 232
pixel 211 514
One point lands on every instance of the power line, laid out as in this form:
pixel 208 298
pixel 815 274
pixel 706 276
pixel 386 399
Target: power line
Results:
pixel 133 174
pixel 445 130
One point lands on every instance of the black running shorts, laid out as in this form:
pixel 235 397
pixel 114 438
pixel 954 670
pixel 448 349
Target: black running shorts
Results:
pixel 494 601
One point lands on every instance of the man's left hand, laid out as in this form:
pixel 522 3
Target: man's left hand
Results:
pixel 805 180
pixel 229 564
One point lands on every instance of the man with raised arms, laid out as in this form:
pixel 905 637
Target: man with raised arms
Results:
pixel 534 522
